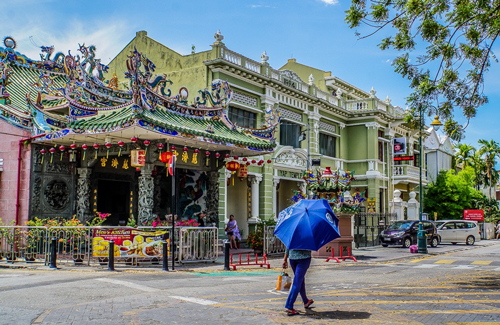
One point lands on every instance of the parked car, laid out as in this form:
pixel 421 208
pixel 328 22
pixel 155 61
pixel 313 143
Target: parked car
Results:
pixel 458 231
pixel 404 232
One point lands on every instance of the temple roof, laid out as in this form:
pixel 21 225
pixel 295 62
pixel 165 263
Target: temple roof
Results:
pixel 68 98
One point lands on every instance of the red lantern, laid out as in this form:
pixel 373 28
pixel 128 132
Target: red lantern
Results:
pixel 96 147
pixel 232 166
pixel 245 159
pixel 236 157
pixel 269 161
pixel 207 157
pixel 261 162
pixel 253 161
pixel 186 149
pixel 120 144
pixel 146 144
pixel 43 151
pixel 217 156
pixel 52 150
pixel 108 146
pixel 160 147
pixel 165 156
pixel 84 147
pixel 226 156
pixel 248 163
pixel 72 146
pixel 62 148
pixel 133 139
pixel 173 148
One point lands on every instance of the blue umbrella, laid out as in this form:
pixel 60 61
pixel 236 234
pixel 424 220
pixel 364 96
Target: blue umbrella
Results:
pixel 308 224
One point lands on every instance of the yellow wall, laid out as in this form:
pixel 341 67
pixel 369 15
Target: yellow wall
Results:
pixel 304 71
pixel 189 68
pixel 236 203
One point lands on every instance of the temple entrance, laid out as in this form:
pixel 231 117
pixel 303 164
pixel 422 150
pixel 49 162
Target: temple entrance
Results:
pixel 113 197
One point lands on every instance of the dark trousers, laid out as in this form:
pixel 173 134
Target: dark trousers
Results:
pixel 299 268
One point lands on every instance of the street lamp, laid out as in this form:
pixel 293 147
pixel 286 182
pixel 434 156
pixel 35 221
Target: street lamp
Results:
pixel 421 235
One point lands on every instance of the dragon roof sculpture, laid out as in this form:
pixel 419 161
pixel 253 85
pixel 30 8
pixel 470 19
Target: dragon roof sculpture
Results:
pixel 66 96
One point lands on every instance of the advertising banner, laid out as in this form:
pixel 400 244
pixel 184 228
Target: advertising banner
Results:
pixel 474 215
pixel 399 146
pixel 128 242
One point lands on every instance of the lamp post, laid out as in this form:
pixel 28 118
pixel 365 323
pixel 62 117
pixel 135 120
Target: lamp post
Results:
pixel 421 235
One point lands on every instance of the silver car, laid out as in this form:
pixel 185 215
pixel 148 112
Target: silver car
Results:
pixel 458 231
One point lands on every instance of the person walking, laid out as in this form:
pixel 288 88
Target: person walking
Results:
pixel 497 229
pixel 232 232
pixel 300 260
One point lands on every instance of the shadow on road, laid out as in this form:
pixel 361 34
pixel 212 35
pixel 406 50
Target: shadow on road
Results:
pixel 337 314
pixel 490 282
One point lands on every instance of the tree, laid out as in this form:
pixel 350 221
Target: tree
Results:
pixel 464 154
pixel 490 150
pixel 458 35
pixel 451 193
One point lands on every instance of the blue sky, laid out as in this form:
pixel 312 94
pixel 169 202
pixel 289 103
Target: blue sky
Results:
pixel 311 31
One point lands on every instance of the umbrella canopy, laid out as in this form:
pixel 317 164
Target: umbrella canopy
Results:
pixel 308 224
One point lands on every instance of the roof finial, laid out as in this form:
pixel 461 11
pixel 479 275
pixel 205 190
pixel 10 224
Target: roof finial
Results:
pixel 264 57
pixel 218 37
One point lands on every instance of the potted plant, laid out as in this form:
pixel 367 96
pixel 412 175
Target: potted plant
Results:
pixel 255 240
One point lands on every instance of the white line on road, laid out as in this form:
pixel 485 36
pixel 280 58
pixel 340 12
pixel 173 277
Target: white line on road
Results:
pixel 464 267
pixel 196 300
pixel 274 292
pixel 128 284
pixel 497 269
pixel 426 266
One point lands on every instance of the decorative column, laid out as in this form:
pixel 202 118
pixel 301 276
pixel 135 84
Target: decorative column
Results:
pixel 276 182
pixel 398 205
pixel 212 199
pixel 146 195
pixel 255 181
pixel 413 207
pixel 83 189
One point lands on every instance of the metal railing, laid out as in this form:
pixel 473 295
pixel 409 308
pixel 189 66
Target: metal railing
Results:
pixel 75 244
pixel 23 243
pixel 368 226
pixel 272 244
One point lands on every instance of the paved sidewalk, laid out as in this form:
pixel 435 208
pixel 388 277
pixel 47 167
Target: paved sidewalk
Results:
pixel 368 255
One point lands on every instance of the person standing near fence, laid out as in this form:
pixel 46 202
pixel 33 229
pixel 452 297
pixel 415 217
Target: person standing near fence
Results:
pixel 300 260
pixel 232 232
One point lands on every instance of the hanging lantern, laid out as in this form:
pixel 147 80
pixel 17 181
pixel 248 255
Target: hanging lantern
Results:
pixel 165 157
pixel 108 146
pixel 43 151
pixel 227 156
pixel 245 159
pixel 261 162
pixel 254 161
pixel 96 147
pixel 160 147
pixel 120 144
pixel 185 156
pixel 207 158
pixel 232 166
pixel 146 144
pixel 248 163
pixel 84 147
pixel 194 159
pixel 269 161
pixel 52 150
pixel 236 157
pixel 72 146
pixel 217 156
pixel 174 151
pixel 62 148
pixel 133 139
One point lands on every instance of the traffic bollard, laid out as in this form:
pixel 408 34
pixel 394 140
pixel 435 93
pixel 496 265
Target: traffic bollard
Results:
pixel 165 256
pixel 226 256
pixel 111 256
pixel 53 254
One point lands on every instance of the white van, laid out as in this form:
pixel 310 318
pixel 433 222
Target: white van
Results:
pixel 458 231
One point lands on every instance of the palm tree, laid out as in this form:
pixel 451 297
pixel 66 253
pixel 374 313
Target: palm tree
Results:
pixel 489 150
pixel 464 155
pixel 477 163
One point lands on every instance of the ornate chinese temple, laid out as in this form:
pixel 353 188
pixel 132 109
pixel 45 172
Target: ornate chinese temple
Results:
pixel 95 147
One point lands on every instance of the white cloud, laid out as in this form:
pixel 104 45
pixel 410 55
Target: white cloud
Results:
pixel 330 2
pixel 259 6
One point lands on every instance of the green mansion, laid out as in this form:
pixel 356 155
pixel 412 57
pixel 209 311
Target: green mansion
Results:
pixel 322 117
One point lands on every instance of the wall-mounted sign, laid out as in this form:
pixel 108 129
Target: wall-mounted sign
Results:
pixel 242 172
pixel 399 146
pixel 137 158
pixel 474 215
pixel 400 158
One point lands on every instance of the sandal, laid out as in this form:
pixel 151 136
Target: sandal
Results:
pixel 309 303
pixel 292 312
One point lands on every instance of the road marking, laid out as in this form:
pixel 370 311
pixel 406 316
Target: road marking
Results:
pixel 425 266
pixel 196 300
pixel 444 261
pixel 481 262
pixel 275 292
pixel 464 267
pixel 128 284
pixel 497 269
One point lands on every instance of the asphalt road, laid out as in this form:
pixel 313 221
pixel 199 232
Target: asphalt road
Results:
pixel 455 287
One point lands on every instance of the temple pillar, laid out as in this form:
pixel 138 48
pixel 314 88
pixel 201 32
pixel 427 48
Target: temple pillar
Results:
pixel 255 182
pixel 212 199
pixel 83 190
pixel 146 195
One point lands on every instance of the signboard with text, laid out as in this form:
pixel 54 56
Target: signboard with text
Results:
pixel 474 215
pixel 399 146
pixel 128 242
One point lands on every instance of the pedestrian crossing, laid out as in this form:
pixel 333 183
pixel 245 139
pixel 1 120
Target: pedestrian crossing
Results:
pixel 457 264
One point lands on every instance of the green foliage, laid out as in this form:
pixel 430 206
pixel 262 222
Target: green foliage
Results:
pixel 451 193
pixel 458 38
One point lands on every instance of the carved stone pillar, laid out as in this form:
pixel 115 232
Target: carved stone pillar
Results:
pixel 157 195
pixel 255 181
pixel 212 199
pixel 146 195
pixel 83 191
